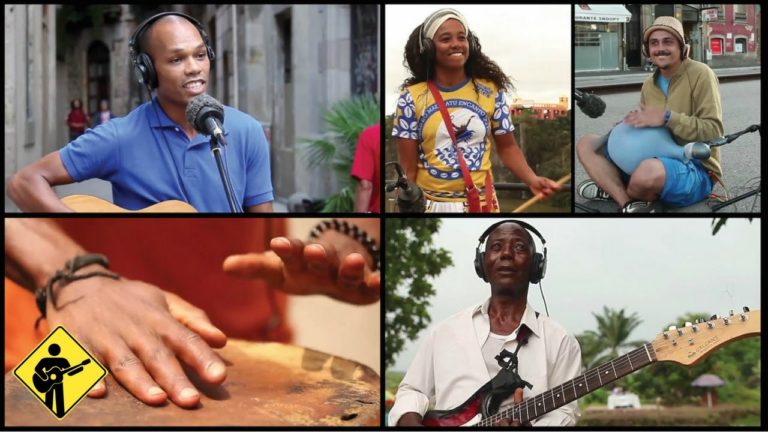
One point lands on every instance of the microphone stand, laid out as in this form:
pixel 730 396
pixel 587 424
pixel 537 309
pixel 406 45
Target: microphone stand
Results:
pixel 216 150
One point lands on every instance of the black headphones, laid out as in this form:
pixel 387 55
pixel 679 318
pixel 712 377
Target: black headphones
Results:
pixel 145 69
pixel 538 263
pixel 427 45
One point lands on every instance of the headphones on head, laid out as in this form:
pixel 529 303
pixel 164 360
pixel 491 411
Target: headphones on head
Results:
pixel 427 45
pixel 142 62
pixel 538 262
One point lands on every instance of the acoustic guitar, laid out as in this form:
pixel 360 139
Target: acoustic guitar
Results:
pixel 54 375
pixel 686 345
pixel 92 204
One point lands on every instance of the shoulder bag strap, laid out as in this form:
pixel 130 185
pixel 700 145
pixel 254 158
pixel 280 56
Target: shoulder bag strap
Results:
pixel 473 195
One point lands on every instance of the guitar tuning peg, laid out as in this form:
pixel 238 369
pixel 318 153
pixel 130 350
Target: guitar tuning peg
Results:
pixel 713 317
pixel 688 324
pixel 731 312
pixel 672 328
pixel 746 309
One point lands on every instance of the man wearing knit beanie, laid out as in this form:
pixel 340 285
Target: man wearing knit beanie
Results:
pixel 683 96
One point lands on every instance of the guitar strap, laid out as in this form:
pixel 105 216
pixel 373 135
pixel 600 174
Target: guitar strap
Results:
pixel 507 380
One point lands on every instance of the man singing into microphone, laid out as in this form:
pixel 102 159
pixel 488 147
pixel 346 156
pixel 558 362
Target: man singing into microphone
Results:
pixel 682 96
pixel 154 154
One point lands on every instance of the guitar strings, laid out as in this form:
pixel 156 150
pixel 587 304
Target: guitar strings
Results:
pixel 590 374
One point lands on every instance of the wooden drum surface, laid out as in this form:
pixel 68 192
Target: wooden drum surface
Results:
pixel 268 384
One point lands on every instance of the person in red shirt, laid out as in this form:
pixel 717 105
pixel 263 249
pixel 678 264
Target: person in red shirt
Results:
pixel 77 120
pixel 365 169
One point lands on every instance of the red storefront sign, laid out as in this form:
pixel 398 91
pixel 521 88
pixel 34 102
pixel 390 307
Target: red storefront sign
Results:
pixel 716 45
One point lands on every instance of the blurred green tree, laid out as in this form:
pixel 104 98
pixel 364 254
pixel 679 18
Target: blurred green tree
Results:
pixel 410 262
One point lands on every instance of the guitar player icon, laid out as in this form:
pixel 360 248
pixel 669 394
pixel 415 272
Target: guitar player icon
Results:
pixel 50 371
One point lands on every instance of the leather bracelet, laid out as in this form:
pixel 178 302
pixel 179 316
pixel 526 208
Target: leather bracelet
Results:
pixel 67 275
pixel 350 230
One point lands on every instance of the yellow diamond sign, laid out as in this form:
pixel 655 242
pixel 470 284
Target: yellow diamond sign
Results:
pixel 59 372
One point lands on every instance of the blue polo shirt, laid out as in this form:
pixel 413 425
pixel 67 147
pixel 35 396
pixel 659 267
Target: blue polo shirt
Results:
pixel 148 158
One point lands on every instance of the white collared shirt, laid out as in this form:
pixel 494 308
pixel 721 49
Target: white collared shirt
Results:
pixel 449 366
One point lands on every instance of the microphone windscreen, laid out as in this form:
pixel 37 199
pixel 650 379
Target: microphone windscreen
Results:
pixel 593 106
pixel 198 103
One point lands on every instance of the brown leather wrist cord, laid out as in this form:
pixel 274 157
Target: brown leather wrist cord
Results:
pixel 67 275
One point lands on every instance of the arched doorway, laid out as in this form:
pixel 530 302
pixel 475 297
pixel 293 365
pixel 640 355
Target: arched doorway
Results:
pixel 98 76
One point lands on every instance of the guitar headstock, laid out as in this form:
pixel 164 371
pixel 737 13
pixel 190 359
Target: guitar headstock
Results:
pixel 689 344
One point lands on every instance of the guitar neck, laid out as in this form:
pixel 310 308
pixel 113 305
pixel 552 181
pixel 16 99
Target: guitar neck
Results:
pixel 569 391
pixel 71 368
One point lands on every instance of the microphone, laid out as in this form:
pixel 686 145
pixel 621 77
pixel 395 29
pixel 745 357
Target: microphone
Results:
pixel 206 115
pixel 696 150
pixel 589 104
pixel 411 198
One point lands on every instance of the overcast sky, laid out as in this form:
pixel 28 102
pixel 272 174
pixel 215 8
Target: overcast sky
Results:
pixel 531 43
pixel 659 268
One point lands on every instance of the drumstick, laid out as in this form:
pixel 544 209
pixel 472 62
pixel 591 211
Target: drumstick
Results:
pixel 539 196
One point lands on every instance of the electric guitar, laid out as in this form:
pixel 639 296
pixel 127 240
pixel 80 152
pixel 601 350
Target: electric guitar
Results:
pixel 54 376
pixel 686 345
pixel 92 204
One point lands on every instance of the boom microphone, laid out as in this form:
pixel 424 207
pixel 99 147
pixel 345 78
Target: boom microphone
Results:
pixel 589 104
pixel 206 115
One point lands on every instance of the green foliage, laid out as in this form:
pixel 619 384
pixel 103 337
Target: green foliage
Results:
pixel 392 380
pixel 610 339
pixel 345 120
pixel 411 262
pixel 599 397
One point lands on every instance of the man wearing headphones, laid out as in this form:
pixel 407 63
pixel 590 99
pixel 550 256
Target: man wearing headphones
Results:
pixel 154 154
pixel 458 356
pixel 682 95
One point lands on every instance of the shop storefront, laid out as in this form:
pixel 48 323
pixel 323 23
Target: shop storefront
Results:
pixel 598 35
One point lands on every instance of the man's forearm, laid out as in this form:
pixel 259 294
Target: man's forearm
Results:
pixel 363 194
pixel 410 419
pixel 35 249
pixel 32 193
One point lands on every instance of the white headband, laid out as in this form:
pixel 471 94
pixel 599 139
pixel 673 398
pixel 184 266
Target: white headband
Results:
pixel 437 19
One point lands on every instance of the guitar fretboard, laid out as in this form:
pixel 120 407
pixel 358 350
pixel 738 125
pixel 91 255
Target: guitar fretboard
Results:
pixel 569 391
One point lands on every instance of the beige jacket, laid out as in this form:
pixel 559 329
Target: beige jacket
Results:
pixel 694 103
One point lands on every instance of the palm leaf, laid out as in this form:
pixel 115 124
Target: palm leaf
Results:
pixel 345 120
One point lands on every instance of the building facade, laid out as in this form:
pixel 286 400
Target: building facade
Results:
pixel 598 36
pixel 540 110
pixel 610 37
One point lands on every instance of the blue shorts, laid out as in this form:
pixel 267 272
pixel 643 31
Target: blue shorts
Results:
pixel 685 183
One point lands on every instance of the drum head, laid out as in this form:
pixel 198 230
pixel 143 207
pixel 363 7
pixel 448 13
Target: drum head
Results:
pixel 628 145
pixel 268 384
